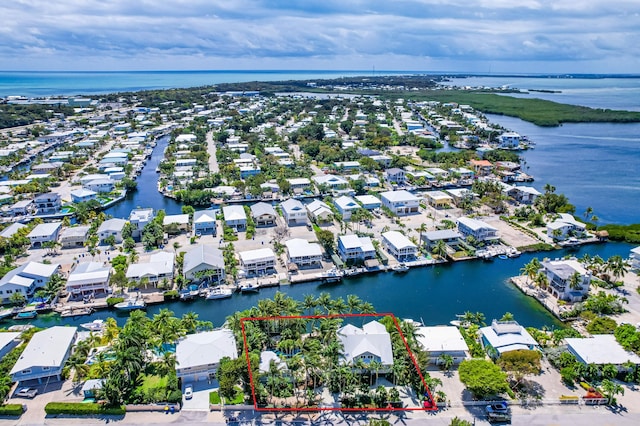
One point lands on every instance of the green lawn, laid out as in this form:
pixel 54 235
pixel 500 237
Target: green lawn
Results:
pixel 151 381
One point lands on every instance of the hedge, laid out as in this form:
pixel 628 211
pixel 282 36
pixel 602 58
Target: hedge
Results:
pixel 11 410
pixel 111 301
pixel 81 408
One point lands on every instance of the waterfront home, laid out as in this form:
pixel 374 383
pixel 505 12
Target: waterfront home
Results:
pixel 258 262
pixel 449 236
pixel 88 278
pixel 45 355
pixel 461 172
pixel 269 358
pixel 481 167
pixel 369 202
pixel 299 185
pixel 400 202
pixel 399 246
pixel 459 195
pixel 395 176
pixel 26 279
pixel 198 355
pixel 8 341
pixel 355 249
pixel 319 211
pixel 235 217
pixel 601 349
pixel 158 268
pixel 560 274
pixel 181 221
pixel 186 138
pixel 88 178
pixel 294 212
pixel 565 226
pixel 438 173
pixel 505 336
pixel 303 253
pixel 83 195
pixel 442 340
pixel 249 170
pixel 139 218
pixel 21 208
pixel 263 214
pixel 74 236
pixel 204 222
pixel 477 229
pixel 521 194
pixel 634 258
pixel 46 168
pixel 47 203
pixel 43 233
pixel 201 258
pixel 345 206
pixel 331 181
pixel 10 230
pixel 370 343
pixel 509 140
pixel 111 227
pixel 100 185
pixel 383 160
pixel 438 199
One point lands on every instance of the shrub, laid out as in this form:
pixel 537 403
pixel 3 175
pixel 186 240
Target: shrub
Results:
pixel 171 295
pixel 175 396
pixel 82 408
pixel 11 410
pixel 214 397
pixel 111 301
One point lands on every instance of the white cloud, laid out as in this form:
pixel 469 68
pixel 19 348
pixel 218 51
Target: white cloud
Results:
pixel 172 34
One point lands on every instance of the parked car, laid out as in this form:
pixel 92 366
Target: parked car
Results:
pixel 188 392
pixel 498 412
pixel 26 393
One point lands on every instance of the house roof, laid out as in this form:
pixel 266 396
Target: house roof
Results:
pixel 47 348
pixel 234 213
pixel 141 215
pixel 175 218
pixel 89 272
pixel 75 231
pixel 475 224
pixel 203 254
pixel 291 205
pixel 205 348
pixel 83 192
pixel 368 199
pixel 346 203
pixel 202 216
pixel 396 196
pixel 7 338
pixel 45 230
pixel 600 349
pixel 441 338
pixel 354 241
pixel 438 195
pixel 253 255
pixel 398 240
pixel 38 269
pixel 11 229
pixel 563 269
pixel 371 338
pixel 259 209
pixel 114 225
pixel 503 335
pixel 442 234
pixel 159 263
pixel 298 247
pixel 266 357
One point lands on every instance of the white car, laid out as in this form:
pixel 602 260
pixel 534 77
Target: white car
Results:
pixel 188 392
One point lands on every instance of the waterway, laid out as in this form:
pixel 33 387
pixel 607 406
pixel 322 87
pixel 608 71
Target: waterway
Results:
pixel 433 294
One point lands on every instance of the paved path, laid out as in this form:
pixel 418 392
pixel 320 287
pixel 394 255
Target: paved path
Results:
pixel 211 149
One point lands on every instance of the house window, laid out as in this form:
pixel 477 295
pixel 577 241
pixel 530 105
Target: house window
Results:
pixel 9 291
pixel 27 371
pixel 45 368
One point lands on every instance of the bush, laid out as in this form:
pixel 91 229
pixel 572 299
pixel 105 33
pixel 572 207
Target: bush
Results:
pixel 111 301
pixel 82 408
pixel 214 397
pixel 175 396
pixel 11 410
pixel 171 295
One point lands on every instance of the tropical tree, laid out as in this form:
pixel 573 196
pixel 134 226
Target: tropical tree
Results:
pixel 446 362
pixel 617 266
pixel 611 389
pixel 440 249
pixel 531 268
pixel 575 281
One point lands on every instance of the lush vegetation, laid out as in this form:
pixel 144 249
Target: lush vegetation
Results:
pixel 11 410
pixel 628 233
pixel 21 115
pixel 82 408
pixel 483 378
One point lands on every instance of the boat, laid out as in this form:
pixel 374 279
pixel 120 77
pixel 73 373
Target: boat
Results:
pixel 513 252
pixel 331 276
pixel 95 325
pixel 249 288
pixel 130 305
pixel 25 315
pixel 218 293
pixel 76 312
pixel 6 313
pixel 503 256
pixel 400 267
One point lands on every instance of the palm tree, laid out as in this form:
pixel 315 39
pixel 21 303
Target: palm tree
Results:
pixel 617 266
pixel 611 389
pixel 531 268
pixel 353 303
pixel 422 228
pixel 588 212
pixel 541 280
pixel 190 322
pixel 111 330
pixel 575 281
pixel 5 386
pixel 440 249
pixel 446 362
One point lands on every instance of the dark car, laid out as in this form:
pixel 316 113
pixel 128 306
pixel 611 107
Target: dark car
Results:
pixel 26 393
pixel 498 412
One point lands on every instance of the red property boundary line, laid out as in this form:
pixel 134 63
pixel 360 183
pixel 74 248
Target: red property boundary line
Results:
pixel 433 407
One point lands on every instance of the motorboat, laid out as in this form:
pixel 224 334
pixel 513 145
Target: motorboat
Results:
pixel 25 315
pixel 400 267
pixel 218 293
pixel 331 276
pixel 95 325
pixel 130 305
pixel 249 288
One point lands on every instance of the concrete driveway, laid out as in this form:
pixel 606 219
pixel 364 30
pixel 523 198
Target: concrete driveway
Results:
pixel 200 400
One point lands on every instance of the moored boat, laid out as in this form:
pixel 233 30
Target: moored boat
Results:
pixel 95 325
pixel 130 305
pixel 249 288
pixel 25 315
pixel 331 276
pixel 76 312
pixel 400 267
pixel 218 293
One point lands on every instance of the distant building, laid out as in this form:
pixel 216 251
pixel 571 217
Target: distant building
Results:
pixel 399 246
pixel 559 274
pixel 400 202
pixel 139 218
pixel 505 336
pixel 198 355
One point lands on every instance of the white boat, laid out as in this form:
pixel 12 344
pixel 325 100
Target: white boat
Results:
pixel 95 325
pixel 400 267
pixel 130 305
pixel 218 293
pixel 250 288
pixel 332 275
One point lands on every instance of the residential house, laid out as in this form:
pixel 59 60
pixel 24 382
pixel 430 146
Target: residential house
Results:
pixel 399 245
pixel 48 203
pixel 560 274
pixel 299 185
pixel 481 167
pixel 258 262
pixel 83 195
pixel 347 166
pixel 43 233
pixel 449 236
pixel 181 221
pixel 198 355
pixel 369 202
pixel 371 343
pixel 346 206
pixel 263 214
pixel 303 253
pixel 505 336
pixel 459 195
pixel 439 199
pixel 235 217
pixel 158 268
pixel 204 222
pixel 91 387
pixel 634 258
pixel 356 249
pixel 8 341
pixel 139 218
pixel 331 181
pixel 100 185
pixel 26 279
pixel 319 211
pixel 400 202
pixel 522 194
pixel 442 340
pixel 111 227
pixel 601 349
pixel 74 236
pixel 564 227
pixel 509 140
pixel 21 208
pixel 88 278
pixel 461 172
pixel 45 355
pixel 477 229
pixel 10 230
pixel 204 257
pixel 294 212
pixel 395 175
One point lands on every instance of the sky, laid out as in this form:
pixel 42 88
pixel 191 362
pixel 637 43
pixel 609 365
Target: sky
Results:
pixel 479 36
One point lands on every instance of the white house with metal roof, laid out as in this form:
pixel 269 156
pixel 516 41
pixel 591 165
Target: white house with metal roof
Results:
pixel 43 233
pixel 158 268
pixel 294 212
pixel 477 229
pixel 263 214
pixel 111 227
pixel 431 238
pixel 505 336
pixel 355 248
pixel 600 349
pixel 88 278
pixel 399 245
pixel 443 340
pixel 370 343
pixel 8 341
pixel 319 211
pixel 83 195
pixel 139 219
pixel 369 202
pixel 204 222
pixel 346 206
pixel 565 226
pixel 559 274
pixel 26 279
pixel 10 230
pixel 198 355
pixel 204 257
pixel 179 220
pixel 258 262
pixel 400 202
pixel 45 355
pixel 303 253
pixel 74 236
pixel 235 216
